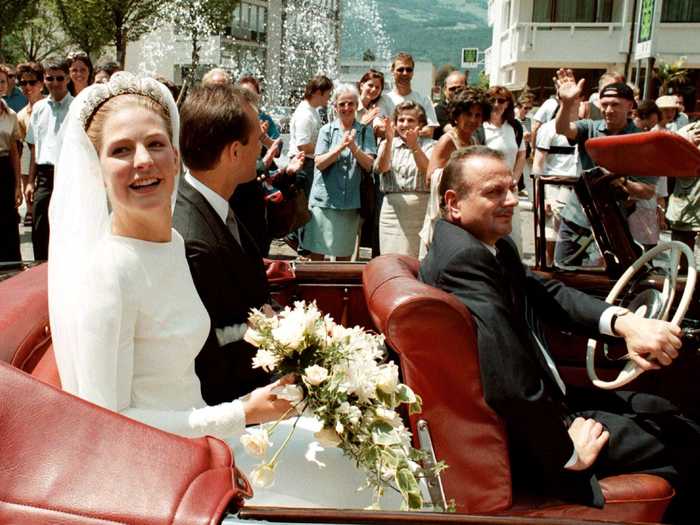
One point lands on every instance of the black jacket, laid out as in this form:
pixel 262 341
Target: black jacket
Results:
pixel 230 280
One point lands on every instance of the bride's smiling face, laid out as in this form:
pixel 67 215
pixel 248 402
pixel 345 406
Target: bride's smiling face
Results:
pixel 138 161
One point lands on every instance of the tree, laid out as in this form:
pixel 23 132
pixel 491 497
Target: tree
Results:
pixel 199 19
pixel 671 73
pixel 38 38
pixel 129 20
pixel 84 23
pixel 13 15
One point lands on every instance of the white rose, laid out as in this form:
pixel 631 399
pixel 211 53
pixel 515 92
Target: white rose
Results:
pixel 328 437
pixel 388 378
pixel 266 360
pixel 289 333
pixel 263 476
pixel 292 393
pixel 253 337
pixel 256 441
pixel 388 416
pixel 339 428
pixel 315 375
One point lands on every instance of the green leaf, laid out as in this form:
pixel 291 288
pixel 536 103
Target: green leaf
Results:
pixel 406 481
pixel 383 434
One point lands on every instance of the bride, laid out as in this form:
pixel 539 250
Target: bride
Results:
pixel 126 319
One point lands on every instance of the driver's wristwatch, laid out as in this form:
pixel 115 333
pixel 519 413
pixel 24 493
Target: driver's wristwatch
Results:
pixel 614 318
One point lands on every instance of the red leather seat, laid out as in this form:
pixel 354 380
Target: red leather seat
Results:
pixel 435 336
pixel 25 342
pixel 67 461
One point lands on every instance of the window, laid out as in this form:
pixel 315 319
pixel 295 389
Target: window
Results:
pixel 572 11
pixel 680 11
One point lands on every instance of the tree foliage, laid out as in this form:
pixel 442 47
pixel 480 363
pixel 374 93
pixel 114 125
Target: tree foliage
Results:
pixel 671 73
pixel 37 38
pixel 129 20
pixel 93 24
pixel 85 23
pixel 13 15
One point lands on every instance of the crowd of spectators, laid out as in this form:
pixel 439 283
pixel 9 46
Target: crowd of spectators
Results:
pixel 369 168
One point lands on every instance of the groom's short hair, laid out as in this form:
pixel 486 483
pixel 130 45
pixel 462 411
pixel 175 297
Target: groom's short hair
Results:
pixel 211 118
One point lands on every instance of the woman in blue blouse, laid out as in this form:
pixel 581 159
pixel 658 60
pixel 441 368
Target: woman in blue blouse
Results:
pixel 344 149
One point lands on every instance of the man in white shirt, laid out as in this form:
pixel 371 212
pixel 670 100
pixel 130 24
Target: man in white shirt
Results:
pixel 42 136
pixel 305 125
pixel 554 155
pixel 402 68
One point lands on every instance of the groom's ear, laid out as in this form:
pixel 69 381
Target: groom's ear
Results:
pixel 231 152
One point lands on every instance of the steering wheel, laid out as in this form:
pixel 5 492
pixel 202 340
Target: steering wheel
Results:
pixel 632 370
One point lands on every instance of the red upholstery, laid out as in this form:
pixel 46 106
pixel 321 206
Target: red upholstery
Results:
pixel 24 324
pixel 646 154
pixel 426 326
pixel 436 338
pixel 279 272
pixel 65 460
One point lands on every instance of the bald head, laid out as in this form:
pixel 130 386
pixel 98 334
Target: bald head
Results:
pixel 453 83
pixel 216 77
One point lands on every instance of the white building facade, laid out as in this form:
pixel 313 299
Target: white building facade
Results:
pixel 533 38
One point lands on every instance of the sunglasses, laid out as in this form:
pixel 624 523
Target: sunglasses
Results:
pixel 499 100
pixel 455 88
pixel 404 69
pixel 57 78
pixel 11 75
pixel 30 82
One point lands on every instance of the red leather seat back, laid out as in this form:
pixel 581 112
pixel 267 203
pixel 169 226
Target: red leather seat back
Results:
pixel 24 324
pixel 646 154
pixel 65 460
pixel 436 338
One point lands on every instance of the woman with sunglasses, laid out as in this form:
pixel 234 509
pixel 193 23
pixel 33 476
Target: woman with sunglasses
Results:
pixel 31 81
pixel 80 72
pixel 504 133
pixel 10 194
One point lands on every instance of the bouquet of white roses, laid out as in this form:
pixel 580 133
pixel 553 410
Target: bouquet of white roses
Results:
pixel 347 385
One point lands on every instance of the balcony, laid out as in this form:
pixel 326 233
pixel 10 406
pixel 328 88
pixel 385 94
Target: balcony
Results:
pixel 577 43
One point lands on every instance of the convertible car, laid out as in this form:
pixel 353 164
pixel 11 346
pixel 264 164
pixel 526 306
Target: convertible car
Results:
pixel 66 461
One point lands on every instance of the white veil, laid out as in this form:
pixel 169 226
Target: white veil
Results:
pixel 79 214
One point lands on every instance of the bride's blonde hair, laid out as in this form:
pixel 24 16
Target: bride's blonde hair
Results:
pixel 117 103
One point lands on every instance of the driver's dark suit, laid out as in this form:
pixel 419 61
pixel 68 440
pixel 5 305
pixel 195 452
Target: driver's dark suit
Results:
pixel 508 302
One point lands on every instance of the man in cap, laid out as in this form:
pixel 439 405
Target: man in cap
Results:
pixel 616 103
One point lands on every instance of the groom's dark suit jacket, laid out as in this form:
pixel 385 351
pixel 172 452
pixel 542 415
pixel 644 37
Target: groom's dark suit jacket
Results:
pixel 501 294
pixel 230 278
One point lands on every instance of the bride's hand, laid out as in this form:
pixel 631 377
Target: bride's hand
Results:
pixel 262 405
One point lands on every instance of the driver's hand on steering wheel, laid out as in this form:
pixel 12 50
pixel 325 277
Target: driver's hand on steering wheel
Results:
pixel 649 341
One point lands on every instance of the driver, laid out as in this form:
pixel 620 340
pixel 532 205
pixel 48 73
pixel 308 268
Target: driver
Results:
pixel 560 438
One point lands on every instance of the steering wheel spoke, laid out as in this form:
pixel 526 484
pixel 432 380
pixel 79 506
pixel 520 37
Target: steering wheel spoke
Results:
pixel 631 370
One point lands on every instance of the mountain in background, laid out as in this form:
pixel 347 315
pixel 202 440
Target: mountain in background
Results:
pixel 430 30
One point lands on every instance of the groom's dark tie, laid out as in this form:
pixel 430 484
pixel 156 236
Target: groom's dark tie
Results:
pixel 232 225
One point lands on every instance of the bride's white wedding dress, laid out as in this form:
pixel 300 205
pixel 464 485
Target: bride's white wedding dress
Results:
pixel 141 326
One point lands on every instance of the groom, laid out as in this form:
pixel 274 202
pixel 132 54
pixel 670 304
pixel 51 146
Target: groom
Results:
pixel 220 144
